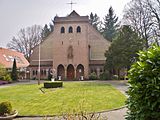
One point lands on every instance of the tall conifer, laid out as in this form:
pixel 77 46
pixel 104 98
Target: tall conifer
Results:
pixel 110 25
pixel 14 75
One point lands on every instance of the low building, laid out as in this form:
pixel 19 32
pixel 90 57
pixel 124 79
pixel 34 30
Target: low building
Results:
pixel 7 57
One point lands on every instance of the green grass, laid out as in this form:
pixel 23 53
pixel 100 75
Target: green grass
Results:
pixel 89 96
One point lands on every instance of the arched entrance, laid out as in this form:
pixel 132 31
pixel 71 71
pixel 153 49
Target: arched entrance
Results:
pixel 70 72
pixel 79 71
pixel 60 71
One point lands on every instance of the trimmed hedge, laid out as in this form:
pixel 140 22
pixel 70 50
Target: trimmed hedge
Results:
pixel 53 84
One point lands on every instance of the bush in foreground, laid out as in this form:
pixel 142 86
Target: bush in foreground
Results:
pixel 5 108
pixel 53 84
pixel 144 93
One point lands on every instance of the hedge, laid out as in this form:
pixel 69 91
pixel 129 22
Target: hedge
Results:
pixel 53 84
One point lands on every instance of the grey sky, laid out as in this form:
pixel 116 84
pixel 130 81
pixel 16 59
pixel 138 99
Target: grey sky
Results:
pixel 17 14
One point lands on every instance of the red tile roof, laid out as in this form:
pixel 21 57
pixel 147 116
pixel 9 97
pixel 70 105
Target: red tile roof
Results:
pixel 7 56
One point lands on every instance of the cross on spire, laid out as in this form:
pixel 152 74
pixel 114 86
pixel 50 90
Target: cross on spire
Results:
pixel 71 3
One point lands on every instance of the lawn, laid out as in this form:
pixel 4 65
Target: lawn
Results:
pixel 89 96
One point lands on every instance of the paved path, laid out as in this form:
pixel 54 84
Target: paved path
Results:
pixel 19 83
pixel 118 114
pixel 111 115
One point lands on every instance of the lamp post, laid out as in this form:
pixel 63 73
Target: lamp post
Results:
pixel 39 65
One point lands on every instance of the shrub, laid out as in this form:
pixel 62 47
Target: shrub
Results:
pixel 34 78
pixel 143 102
pixel 80 112
pixel 3 72
pixel 82 115
pixel 5 108
pixel 7 78
pixel 115 77
pixel 93 76
pixel 104 76
pixel 53 84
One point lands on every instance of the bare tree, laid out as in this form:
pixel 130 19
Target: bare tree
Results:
pixel 138 16
pixel 154 7
pixel 26 40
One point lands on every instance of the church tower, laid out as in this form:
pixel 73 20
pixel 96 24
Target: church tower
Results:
pixel 70 46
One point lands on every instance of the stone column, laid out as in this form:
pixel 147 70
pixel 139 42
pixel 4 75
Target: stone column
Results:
pixel 75 67
pixel 65 72
pixel 75 76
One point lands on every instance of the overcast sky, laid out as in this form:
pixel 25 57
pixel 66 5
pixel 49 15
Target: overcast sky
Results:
pixel 17 14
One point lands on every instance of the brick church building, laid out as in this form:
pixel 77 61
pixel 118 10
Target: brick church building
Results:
pixel 72 50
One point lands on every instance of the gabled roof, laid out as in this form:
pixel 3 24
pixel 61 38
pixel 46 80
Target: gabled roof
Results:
pixel 73 14
pixel 72 17
pixel 7 56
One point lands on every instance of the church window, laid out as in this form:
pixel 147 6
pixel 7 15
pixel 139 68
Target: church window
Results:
pixel 62 30
pixel 70 30
pixel 78 29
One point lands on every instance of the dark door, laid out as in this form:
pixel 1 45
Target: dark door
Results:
pixel 70 72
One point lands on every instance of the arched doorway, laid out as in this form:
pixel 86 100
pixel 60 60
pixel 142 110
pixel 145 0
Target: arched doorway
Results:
pixel 70 72
pixel 79 71
pixel 60 71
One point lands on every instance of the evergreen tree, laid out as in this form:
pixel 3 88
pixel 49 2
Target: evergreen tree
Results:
pixel 110 25
pixel 95 21
pixel 123 50
pixel 51 26
pixel 45 31
pixel 14 75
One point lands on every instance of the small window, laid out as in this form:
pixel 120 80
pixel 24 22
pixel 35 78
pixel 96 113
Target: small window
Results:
pixel 41 72
pixel 62 30
pixel 36 72
pixel 70 30
pixel 78 29
pixel 33 72
pixel 45 72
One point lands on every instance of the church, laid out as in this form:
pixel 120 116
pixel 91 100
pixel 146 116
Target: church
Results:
pixel 72 51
